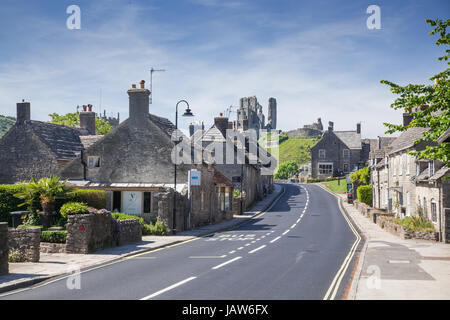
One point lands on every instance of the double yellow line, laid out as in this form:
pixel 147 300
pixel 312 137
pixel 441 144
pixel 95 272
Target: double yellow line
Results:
pixel 332 290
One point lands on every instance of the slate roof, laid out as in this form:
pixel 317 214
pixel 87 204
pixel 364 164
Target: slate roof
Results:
pixel 350 138
pixel 219 178
pixel 163 123
pixel 63 141
pixel 87 141
pixel 407 138
pixel 444 137
pixel 385 141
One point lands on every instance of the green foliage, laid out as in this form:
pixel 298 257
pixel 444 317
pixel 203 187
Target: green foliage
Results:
pixel 157 228
pixel 32 219
pixel 48 189
pixel 286 170
pixel 8 202
pixel 364 194
pixel 337 186
pixel 415 224
pixel 57 236
pixel 73 120
pixel 70 208
pixel 93 198
pixel 5 124
pixel 236 193
pixel 16 255
pixel 361 176
pixel 436 96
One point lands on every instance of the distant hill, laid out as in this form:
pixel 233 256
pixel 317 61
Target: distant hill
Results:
pixel 5 124
pixel 297 149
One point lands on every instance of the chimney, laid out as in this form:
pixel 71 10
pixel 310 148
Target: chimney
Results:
pixel 87 119
pixel 230 124
pixel 330 126
pixel 407 118
pixel 221 123
pixel 358 128
pixel 138 104
pixel 23 112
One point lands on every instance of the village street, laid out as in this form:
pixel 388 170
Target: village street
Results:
pixel 301 248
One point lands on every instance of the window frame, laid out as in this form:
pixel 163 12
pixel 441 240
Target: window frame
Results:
pixel 324 151
pixel 95 160
pixel 325 164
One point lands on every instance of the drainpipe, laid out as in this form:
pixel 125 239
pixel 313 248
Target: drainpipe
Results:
pixel 440 206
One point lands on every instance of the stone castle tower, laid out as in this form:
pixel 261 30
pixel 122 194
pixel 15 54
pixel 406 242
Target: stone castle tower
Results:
pixel 250 115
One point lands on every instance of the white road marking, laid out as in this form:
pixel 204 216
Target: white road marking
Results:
pixel 259 248
pixel 275 239
pixel 231 252
pixel 168 288
pixel 293 226
pixel 225 263
pixel 247 244
pixel 207 257
pixel 240 248
pixel 298 220
pixel 285 232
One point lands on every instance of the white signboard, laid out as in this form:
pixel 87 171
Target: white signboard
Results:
pixel 195 177
pixel 132 202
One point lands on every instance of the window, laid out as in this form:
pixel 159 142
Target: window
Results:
pixel 147 201
pixel 346 153
pixel 93 162
pixel 425 209
pixel 408 164
pixel 325 168
pixel 408 204
pixel 433 211
pixel 322 153
pixel 400 166
pixel 417 169
pixel 393 166
pixel 431 167
pixel 117 201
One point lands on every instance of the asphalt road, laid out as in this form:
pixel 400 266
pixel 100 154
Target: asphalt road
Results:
pixel 300 249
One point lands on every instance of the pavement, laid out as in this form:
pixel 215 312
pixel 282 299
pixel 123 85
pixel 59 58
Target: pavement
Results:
pixel 391 268
pixel 56 265
pixel 301 247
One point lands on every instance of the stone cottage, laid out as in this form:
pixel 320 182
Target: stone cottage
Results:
pixel 38 149
pixel 409 186
pixel 338 152
pixel 247 173
pixel 133 163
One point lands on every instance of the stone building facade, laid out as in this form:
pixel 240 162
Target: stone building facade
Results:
pixel 337 152
pixel 38 149
pixel 408 186
pixel 247 175
pixel 134 164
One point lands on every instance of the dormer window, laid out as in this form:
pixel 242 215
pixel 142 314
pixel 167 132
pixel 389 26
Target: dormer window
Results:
pixel 93 162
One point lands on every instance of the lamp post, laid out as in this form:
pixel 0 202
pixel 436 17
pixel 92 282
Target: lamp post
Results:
pixel 187 113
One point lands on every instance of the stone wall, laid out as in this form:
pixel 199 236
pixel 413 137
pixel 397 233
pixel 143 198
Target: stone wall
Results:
pixel 48 247
pixel 3 248
pixel 27 241
pixel 304 133
pixel 130 231
pixel 89 232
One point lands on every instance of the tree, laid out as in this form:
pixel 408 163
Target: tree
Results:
pixel 286 170
pixel 436 96
pixel 73 119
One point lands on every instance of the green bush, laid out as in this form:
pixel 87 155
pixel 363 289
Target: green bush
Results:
pixel 70 208
pixel 157 228
pixel 8 202
pixel 286 170
pixel 364 194
pixel 416 224
pixel 57 236
pixel 93 198
pixel 360 177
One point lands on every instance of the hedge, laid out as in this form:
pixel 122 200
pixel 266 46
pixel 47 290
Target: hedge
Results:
pixel 9 203
pixel 57 236
pixel 364 194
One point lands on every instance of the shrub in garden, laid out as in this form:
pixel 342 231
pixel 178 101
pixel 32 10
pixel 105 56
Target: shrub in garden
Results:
pixel 364 194
pixel 57 236
pixel 16 255
pixel 70 208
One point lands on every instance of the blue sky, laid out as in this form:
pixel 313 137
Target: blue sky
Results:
pixel 317 58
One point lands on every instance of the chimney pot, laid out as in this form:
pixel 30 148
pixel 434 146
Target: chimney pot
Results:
pixel 90 107
pixel 87 119
pixel 133 86
pixel 358 127
pixel 142 84
pixel 23 112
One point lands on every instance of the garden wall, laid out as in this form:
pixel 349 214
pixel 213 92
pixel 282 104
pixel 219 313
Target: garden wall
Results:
pixel 27 241
pixel 48 247
pixel 89 232
pixel 3 247
pixel 130 231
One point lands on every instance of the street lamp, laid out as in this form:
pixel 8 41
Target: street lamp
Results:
pixel 187 113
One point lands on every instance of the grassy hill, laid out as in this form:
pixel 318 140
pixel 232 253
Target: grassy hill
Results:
pixel 5 124
pixel 297 149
